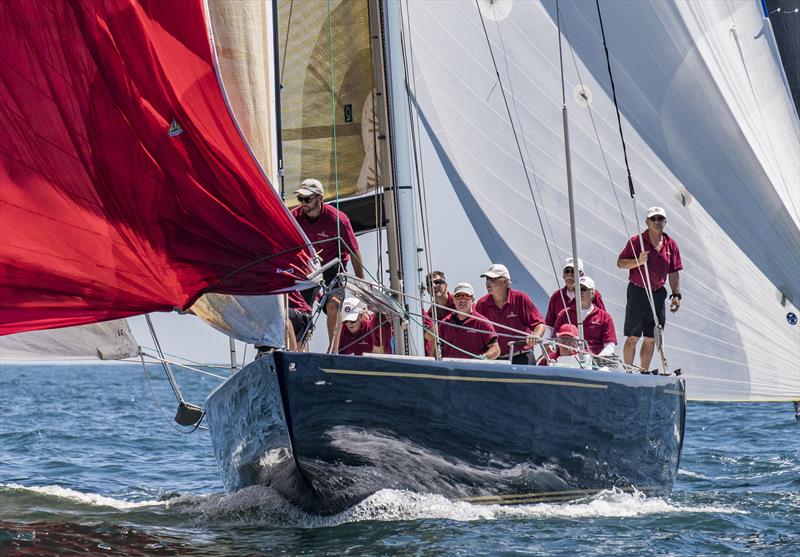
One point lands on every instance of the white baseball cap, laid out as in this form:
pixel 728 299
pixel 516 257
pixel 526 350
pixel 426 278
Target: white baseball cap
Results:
pixel 653 211
pixel 309 187
pixel 464 287
pixel 568 262
pixel 496 270
pixel 587 282
pixel 351 309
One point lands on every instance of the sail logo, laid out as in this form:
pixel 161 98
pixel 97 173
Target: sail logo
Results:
pixel 322 234
pixel 175 129
pixel 512 314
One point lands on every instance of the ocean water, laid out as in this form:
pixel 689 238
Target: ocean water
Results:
pixel 90 463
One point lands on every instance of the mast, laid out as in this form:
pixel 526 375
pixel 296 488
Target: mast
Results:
pixel 385 165
pixel 570 189
pixel 402 192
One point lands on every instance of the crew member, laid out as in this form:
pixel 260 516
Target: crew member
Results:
pixel 565 296
pixel 510 308
pixel 567 352
pixel 299 317
pixel 360 332
pixel 598 327
pixel 465 333
pixel 660 261
pixel 323 225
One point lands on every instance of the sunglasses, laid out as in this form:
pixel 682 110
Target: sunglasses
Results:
pixel 304 199
pixel 569 271
pixel 462 295
pixel 438 282
pixel 584 289
pixel 658 218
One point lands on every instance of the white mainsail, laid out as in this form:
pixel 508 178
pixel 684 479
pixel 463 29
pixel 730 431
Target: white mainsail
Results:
pixel 691 124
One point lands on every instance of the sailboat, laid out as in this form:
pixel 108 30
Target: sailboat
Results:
pixel 200 218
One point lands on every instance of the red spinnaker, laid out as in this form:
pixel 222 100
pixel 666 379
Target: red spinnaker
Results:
pixel 124 184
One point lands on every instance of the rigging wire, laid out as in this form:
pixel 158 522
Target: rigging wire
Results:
pixel 333 123
pixel 516 140
pixel 286 42
pixel 161 410
pixel 658 330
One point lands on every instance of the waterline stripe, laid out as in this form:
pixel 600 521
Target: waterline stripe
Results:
pixel 544 495
pixel 463 378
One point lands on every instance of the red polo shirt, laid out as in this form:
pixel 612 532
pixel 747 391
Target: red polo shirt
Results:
pixel 297 302
pixel 365 340
pixel 598 327
pixel 519 312
pixel 323 230
pixel 474 339
pixel 557 304
pixel 441 313
pixel 659 263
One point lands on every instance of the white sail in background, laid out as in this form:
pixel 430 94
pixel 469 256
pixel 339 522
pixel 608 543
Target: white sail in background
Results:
pixel 692 124
pixel 110 340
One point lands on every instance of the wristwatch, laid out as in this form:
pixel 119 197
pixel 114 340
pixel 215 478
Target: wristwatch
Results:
pixel 675 295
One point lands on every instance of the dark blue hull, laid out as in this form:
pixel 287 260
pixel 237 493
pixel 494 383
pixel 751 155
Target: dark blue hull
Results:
pixel 327 431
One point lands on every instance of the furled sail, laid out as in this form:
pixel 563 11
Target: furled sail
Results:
pixel 126 186
pixel 718 151
pixel 110 340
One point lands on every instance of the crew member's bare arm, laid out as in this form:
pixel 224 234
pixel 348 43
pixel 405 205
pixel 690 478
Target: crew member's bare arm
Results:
pixel 358 267
pixel 675 286
pixel 631 263
pixel 492 352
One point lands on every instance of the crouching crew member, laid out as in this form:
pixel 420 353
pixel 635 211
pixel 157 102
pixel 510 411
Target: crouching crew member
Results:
pixel 299 317
pixel 567 352
pixel 512 308
pixel 598 327
pixel 465 333
pixel 563 298
pixel 663 261
pixel 360 331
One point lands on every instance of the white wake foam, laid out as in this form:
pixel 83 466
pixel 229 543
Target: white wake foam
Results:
pixel 261 505
pixel 83 498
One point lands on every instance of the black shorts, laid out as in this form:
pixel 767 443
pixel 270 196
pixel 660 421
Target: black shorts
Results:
pixel 336 294
pixel 299 321
pixel 638 315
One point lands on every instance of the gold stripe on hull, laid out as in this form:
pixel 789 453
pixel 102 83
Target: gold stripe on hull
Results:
pixel 516 380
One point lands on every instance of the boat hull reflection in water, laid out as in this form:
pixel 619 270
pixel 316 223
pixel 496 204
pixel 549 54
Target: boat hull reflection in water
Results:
pixel 327 430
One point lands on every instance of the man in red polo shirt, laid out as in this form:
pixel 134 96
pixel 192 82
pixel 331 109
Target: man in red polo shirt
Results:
pixel 360 332
pixel 660 260
pixel 598 327
pixel 565 297
pixel 510 308
pixel 437 286
pixel 465 333
pixel 324 225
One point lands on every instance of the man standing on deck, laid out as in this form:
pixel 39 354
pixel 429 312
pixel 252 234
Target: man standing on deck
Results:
pixel 510 308
pixel 465 333
pixel 565 297
pixel 324 225
pixel 663 261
